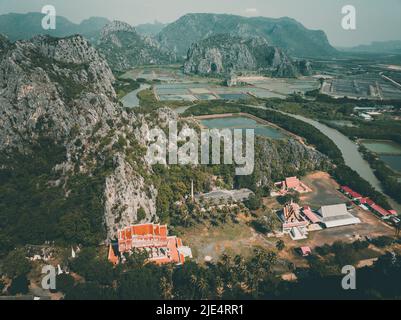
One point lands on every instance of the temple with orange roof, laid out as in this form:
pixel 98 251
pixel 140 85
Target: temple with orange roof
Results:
pixel 152 238
pixel 290 184
pixel 293 223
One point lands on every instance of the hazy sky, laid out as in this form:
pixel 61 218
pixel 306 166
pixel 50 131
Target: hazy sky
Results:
pixel 376 20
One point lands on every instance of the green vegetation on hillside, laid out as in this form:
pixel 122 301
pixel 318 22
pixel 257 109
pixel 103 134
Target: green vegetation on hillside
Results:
pixel 124 86
pixel 383 128
pixel 34 210
pixel 343 174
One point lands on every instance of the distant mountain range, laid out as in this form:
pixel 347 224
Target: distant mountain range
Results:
pixel 285 33
pixel 25 26
pixel 393 47
pixel 150 29
pixel 201 40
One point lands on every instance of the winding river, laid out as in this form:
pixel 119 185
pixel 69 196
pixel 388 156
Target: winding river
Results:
pixel 349 150
pixel 351 155
pixel 131 99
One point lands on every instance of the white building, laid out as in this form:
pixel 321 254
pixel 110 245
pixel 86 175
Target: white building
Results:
pixel 337 216
pixel 225 195
pixel 366 116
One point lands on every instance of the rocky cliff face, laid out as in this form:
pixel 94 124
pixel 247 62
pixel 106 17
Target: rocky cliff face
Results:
pixel 116 26
pixel 124 48
pixel 284 33
pixel 59 91
pixel 62 89
pixel 39 78
pixel 4 44
pixel 304 67
pixel 223 54
pixel 277 159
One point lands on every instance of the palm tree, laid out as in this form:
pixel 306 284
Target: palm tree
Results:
pixel 194 279
pixel 219 288
pixel 280 245
pixel 226 259
pixel 166 288
pixel 202 286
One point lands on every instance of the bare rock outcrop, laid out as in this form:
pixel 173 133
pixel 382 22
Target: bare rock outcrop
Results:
pixel 124 48
pixel 223 54
pixel 62 90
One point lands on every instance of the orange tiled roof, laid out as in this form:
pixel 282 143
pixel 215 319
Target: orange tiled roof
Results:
pixel 163 231
pixel 142 229
pixel 292 182
pixel 163 249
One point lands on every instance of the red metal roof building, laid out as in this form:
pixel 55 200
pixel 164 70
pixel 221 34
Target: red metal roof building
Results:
pixel 367 201
pixel 376 208
pixel 379 210
pixel 351 193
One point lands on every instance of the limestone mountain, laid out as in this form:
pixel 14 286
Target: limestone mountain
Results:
pixel 150 29
pixel 285 33
pixel 59 112
pixel 72 159
pixel 124 48
pixel 276 159
pixel 223 54
pixel 18 26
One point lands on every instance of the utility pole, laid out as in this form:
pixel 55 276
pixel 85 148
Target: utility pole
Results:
pixel 192 191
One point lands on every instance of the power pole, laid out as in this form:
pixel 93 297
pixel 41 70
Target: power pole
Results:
pixel 192 191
